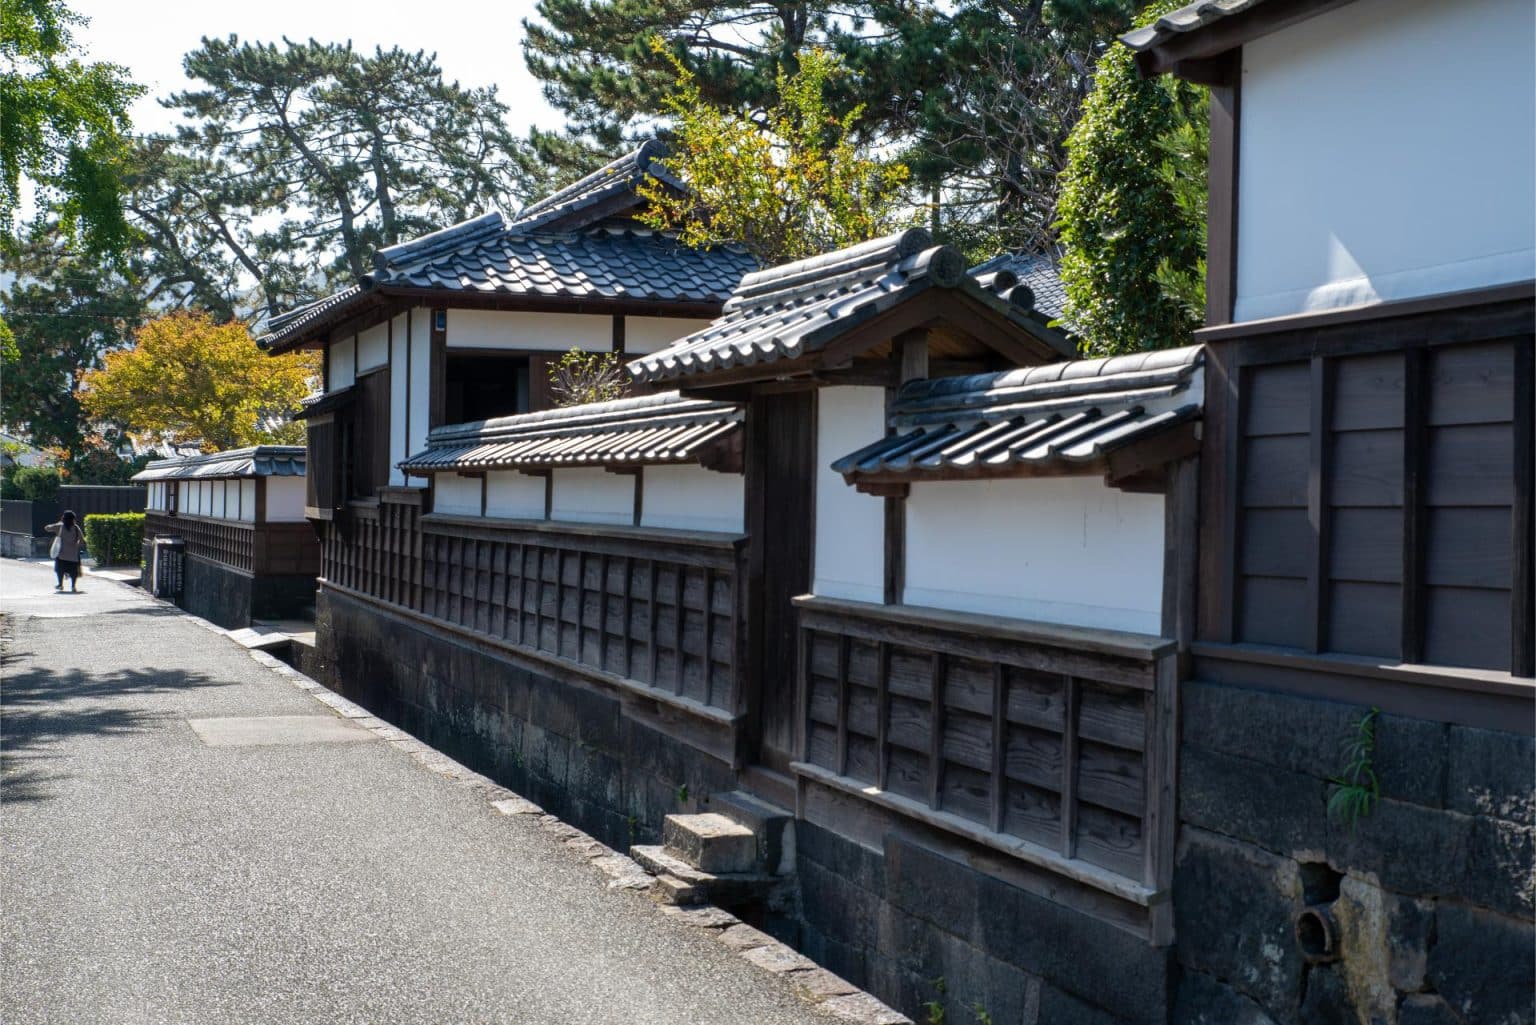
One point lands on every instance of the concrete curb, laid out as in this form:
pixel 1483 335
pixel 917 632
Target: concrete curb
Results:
pixel 813 984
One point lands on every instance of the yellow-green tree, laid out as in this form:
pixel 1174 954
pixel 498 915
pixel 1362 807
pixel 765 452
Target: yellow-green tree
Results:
pixel 187 379
pixel 785 183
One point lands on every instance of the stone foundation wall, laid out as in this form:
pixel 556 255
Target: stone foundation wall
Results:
pixel 232 599
pixel 571 749
pixel 1431 892
pixel 926 933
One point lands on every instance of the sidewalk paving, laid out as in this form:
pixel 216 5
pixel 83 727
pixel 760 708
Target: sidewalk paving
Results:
pixel 185 836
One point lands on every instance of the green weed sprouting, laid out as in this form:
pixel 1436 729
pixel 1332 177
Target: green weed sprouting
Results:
pixel 1356 789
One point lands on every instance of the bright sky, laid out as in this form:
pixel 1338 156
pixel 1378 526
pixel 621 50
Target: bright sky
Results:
pixel 477 44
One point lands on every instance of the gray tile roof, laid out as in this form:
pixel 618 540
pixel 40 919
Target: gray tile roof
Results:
pixel 609 191
pixel 260 461
pixel 1186 19
pixel 640 431
pixel 1039 275
pixel 1061 413
pixel 799 308
pixel 567 247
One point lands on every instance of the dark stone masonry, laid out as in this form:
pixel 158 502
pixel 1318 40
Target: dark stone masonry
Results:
pixel 233 599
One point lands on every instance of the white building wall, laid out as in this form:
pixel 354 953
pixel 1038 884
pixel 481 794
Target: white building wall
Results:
pixel 398 373
pixel 644 335
pixel 556 332
pixel 454 494
pixel 343 359
pixel 421 379
pixel 285 499
pixel 514 495
pixel 593 495
pixel 1058 549
pixel 373 347
pixel 850 527
pixel 246 508
pixel 693 498
pixel 220 489
pixel 1387 150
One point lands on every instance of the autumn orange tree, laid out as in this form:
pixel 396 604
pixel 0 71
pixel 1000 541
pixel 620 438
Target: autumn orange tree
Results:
pixel 187 379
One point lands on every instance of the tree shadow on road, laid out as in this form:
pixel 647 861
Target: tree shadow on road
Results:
pixel 42 707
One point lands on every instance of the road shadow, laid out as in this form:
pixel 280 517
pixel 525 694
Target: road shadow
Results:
pixel 39 707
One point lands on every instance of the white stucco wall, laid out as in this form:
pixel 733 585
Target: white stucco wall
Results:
pixel 651 334
pixel 246 506
pixel 398 373
pixel 593 495
pixel 514 495
pixel 1058 549
pixel 850 527
pixel 373 347
pixel 1387 150
pixel 693 498
pixel 556 332
pixel 421 380
pixel 454 494
pixel 285 499
pixel 220 491
pixel 342 355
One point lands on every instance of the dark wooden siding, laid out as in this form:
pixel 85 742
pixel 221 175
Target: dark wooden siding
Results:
pixel 321 463
pixel 259 549
pixel 1376 491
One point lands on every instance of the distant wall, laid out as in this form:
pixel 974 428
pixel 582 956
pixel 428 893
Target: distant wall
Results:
pixel 850 527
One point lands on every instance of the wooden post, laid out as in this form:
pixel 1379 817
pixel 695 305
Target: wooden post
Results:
pixel 1069 768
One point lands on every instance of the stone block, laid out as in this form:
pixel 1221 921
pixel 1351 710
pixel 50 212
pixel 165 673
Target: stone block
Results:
pixel 842 857
pixel 1410 759
pixel 836 906
pixel 1075 952
pixel 1298 734
pixel 743 937
pixel 1282 811
pixel 1061 1008
pixel 1483 964
pixel 910 942
pixel 1490 773
pixel 1233 904
pixel 1205 1000
pixel 778 958
pixel 932 887
pixel 1426 1009
pixel 1410 930
pixel 1412 849
pixel 1501 866
pixel 773 826
pixel 1326 999
pixel 710 842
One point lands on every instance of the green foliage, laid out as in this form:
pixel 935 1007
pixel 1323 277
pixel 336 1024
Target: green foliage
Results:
pixel 1129 229
pixel 31 483
pixel 581 377
pixel 115 539
pixel 63 124
pixel 785 183
pixel 67 311
pixel 1356 789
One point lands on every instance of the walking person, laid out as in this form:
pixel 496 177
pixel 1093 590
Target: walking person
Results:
pixel 66 549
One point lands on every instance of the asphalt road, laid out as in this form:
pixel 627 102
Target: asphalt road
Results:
pixel 159 868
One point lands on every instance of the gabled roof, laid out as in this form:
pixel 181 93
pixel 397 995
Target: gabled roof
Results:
pixel 646 430
pixel 1184 40
pixel 573 247
pixel 260 461
pixel 1054 419
pixel 607 192
pixel 1031 281
pixel 799 309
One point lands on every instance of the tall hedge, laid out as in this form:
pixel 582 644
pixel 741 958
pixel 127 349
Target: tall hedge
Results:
pixel 114 538
pixel 1131 236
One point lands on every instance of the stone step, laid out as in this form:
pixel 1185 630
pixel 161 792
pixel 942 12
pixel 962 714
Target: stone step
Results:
pixel 710 842
pixel 680 882
pixel 773 826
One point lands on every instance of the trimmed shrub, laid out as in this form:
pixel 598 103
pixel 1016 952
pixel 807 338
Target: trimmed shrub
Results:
pixel 115 538
pixel 31 483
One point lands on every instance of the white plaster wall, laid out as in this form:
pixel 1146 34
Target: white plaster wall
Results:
pixel 514 495
pixel 652 334
pixel 593 495
pixel 246 507
pixel 398 372
pixel 220 489
pixel 343 357
pixel 1387 150
pixel 1058 549
pixel 285 499
pixel 421 379
pixel 454 494
pixel 850 527
pixel 693 498
pixel 373 347
pixel 557 332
